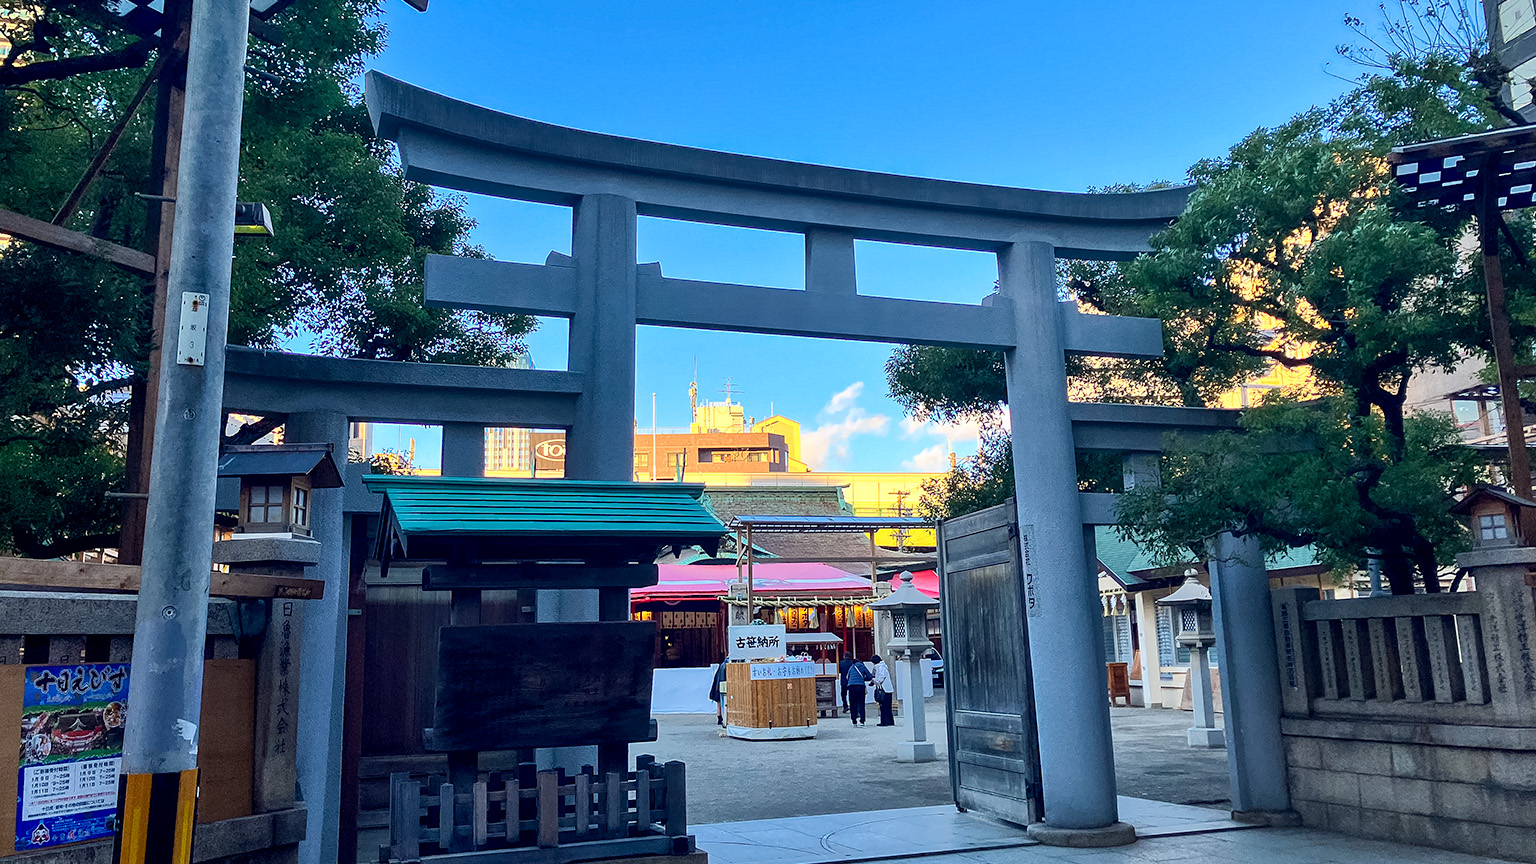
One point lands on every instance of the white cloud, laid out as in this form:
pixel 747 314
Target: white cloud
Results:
pixel 844 399
pixel 842 421
pixel 958 431
pixel 934 459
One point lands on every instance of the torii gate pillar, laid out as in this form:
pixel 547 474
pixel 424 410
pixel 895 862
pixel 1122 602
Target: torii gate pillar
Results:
pixel 1077 762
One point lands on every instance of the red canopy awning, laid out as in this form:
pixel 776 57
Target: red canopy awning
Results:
pixel 709 581
pixel 926 581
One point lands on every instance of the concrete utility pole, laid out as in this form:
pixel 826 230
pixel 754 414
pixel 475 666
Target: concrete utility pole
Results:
pixel 159 786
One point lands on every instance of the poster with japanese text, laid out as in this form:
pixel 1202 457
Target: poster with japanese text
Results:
pixel 71 748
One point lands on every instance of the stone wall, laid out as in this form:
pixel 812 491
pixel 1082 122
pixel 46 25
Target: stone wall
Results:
pixel 1413 718
pixel 1467 788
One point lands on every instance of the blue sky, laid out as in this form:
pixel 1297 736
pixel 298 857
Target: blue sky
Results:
pixel 1057 96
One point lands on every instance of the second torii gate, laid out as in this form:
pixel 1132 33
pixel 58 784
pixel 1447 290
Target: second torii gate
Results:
pixel 604 291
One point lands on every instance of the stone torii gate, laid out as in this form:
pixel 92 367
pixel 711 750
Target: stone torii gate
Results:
pixel 608 181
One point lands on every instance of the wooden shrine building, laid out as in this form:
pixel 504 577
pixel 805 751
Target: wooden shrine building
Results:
pixel 583 687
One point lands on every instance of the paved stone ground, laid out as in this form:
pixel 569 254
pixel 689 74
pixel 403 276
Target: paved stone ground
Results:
pixel 1264 846
pixel 846 769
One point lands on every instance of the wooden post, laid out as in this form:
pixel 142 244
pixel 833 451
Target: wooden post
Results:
pixel 404 817
pixel 1488 222
pixel 514 808
pixel 165 168
pixel 463 765
pixel 677 799
pixel 751 611
pixel 583 804
pixel 549 810
pixel 445 807
pixel 615 803
pixel 642 800
pixel 481 803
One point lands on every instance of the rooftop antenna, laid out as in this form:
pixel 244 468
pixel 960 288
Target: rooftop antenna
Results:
pixel 729 388
pixel 693 392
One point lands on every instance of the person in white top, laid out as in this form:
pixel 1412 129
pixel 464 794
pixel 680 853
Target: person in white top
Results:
pixel 885 690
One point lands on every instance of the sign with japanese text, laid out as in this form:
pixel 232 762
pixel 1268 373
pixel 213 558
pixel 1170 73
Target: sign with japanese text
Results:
pixel 781 671
pixel 756 641
pixel 71 749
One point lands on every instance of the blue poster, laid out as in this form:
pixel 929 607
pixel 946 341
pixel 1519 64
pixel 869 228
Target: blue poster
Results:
pixel 71 749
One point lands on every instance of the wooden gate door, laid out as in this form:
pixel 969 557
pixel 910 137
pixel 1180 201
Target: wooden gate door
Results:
pixel 993 752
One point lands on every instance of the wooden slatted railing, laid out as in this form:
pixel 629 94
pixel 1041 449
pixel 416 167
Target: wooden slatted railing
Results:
pixel 616 814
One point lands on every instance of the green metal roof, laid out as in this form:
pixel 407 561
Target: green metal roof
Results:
pixel 539 515
pixel 1117 555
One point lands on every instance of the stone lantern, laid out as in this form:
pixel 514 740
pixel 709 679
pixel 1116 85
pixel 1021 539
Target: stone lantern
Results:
pixel 908 610
pixel 1497 518
pixel 276 504
pixel 1197 633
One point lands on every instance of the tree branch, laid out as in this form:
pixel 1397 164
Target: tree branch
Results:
pixel 123 58
pixel 250 433
pixel 29 545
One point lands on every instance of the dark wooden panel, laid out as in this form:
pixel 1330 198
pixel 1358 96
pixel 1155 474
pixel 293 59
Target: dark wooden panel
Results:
pixel 1008 784
pixel 400 661
pixel 993 755
pixel 543 685
pixel 442 577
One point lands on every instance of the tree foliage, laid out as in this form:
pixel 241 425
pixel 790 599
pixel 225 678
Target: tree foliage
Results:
pixel 344 269
pixel 1296 250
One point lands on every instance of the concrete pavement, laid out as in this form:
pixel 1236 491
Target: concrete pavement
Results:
pixel 846 769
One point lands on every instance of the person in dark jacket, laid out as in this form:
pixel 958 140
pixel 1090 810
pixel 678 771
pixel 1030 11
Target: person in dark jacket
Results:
pixel 842 678
pixel 717 694
pixel 855 680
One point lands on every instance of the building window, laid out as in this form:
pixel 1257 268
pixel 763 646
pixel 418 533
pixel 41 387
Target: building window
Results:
pixel 642 460
pixel 677 459
pixel 1493 527
pixel 266 504
pixel 301 506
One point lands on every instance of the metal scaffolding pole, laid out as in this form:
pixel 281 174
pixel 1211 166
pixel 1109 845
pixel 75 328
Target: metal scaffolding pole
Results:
pixel 159 787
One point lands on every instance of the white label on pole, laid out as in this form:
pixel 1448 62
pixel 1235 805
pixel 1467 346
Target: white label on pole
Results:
pixel 780 671
pixel 1027 552
pixel 192 343
pixel 756 641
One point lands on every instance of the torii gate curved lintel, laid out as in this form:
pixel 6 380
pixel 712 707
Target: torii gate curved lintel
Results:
pixel 609 181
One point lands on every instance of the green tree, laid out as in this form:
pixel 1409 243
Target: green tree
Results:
pixel 1296 249
pixel 345 265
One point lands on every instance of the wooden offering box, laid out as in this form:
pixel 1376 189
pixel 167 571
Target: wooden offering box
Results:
pixel 770 700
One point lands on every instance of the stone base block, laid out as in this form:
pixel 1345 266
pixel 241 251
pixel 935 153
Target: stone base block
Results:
pixel 1208 739
pixel 917 751
pixel 1272 818
pixel 256 549
pixel 1118 834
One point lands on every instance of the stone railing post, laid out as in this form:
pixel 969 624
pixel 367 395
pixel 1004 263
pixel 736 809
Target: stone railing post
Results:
pixel 1504 579
pixel 1296 649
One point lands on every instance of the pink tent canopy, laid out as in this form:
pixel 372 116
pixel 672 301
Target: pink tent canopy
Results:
pixel 680 581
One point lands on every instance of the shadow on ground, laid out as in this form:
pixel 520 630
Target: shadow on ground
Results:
pixel 846 769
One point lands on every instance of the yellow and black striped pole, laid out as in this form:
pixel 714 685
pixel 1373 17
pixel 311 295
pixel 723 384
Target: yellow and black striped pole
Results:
pixel 156 814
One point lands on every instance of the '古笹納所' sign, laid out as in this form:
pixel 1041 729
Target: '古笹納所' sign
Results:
pixel 756 641
pixel 782 671
pixel 71 749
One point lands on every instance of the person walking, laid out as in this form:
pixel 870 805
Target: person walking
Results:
pixel 855 680
pixel 842 678
pixel 885 690
pixel 717 693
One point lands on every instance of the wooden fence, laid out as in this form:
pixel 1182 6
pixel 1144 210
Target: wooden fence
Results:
pixel 554 817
